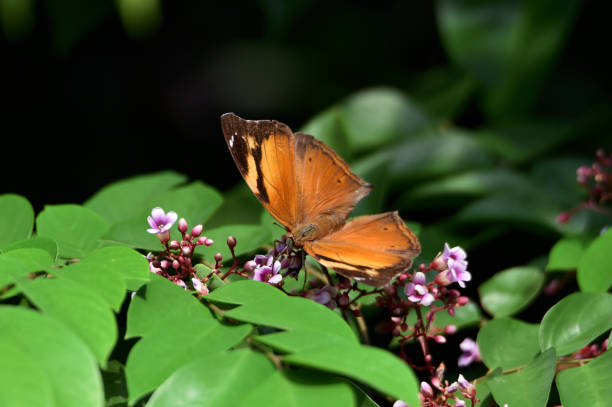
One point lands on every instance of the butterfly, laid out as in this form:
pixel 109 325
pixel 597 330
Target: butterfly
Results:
pixel 311 190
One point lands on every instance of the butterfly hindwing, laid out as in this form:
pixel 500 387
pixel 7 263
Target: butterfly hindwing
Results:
pixel 327 187
pixel 371 249
pixel 264 153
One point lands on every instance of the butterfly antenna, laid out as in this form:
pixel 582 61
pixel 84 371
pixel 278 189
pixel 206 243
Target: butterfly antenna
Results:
pixel 279 225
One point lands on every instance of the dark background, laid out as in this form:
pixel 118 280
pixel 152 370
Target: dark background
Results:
pixel 87 100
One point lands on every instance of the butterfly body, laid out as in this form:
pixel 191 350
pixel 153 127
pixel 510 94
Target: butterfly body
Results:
pixel 311 191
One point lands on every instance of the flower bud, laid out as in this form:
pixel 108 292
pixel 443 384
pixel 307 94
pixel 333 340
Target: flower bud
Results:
pixel 563 217
pixel 439 339
pixel 164 264
pixel 231 242
pixel 428 358
pixel 343 300
pixel 439 264
pixel 208 242
pixel 201 240
pixel 176 264
pixel 426 390
pixel 182 225
pixel 218 257
pixel 461 301
pixel 443 279
pixel 197 230
pixel 174 245
pixel 186 251
pixel 450 329
pixel 451 312
pixel 249 266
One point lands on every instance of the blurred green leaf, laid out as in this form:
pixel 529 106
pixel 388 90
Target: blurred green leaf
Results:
pixel 125 199
pixel 434 153
pixel 195 202
pixel 510 291
pixel 575 321
pixel 222 379
pixel 374 117
pixel 587 385
pixel 11 267
pixel 566 254
pixel 132 233
pixel 240 206
pixel 34 259
pixel 327 127
pixel 44 363
pixel 595 266
pixel 36 242
pixel 507 45
pixel 16 219
pixel 140 18
pixel 78 307
pixel 16 18
pixel 76 229
pixel 472 183
pixel 533 381
pixel 466 316
pixel 72 19
pixel 164 315
pixel 508 343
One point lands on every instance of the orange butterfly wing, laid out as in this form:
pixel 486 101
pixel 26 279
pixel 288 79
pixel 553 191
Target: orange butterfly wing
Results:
pixel 264 152
pixel 371 249
pixel 327 188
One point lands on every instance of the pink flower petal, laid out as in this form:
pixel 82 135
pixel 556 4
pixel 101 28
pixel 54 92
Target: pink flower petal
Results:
pixel 159 216
pixel 276 279
pixel 427 299
pixel 171 217
pixel 151 223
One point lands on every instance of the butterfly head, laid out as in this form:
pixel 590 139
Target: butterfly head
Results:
pixel 305 233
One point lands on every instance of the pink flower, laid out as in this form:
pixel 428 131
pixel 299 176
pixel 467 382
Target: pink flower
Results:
pixel 161 221
pixel 457 272
pixel 400 403
pixel 471 353
pixel 417 290
pixel 456 253
pixel 267 273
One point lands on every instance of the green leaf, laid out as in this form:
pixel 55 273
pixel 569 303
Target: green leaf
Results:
pixel 123 200
pixel 373 366
pixel 240 206
pixel 34 259
pixel 510 291
pixel 473 183
pixel 109 272
pixel 508 343
pixel 76 229
pixel 533 382
pixel 566 254
pixel 16 219
pixel 302 388
pixel 213 380
pixel 327 127
pixel 195 202
pixel 44 363
pixel 587 385
pixel 10 268
pixel 507 45
pixel 466 316
pixel 373 117
pixel 165 315
pixel 248 237
pixel 133 233
pixel 575 321
pixel 79 308
pixel 435 153
pixel 36 242
pixel 595 266
pixel 316 337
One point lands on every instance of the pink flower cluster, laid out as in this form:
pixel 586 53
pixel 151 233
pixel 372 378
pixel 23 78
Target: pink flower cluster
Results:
pixel 175 262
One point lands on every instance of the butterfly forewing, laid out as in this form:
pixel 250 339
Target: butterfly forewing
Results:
pixel 371 249
pixel 326 185
pixel 264 152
